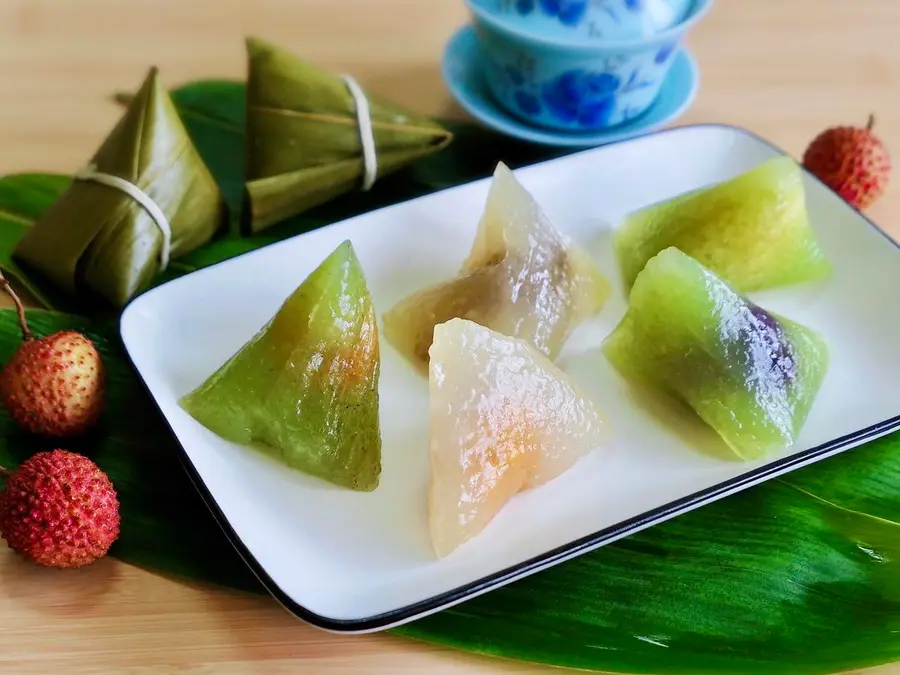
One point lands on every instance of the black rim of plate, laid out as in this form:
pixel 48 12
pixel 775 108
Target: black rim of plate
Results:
pixel 422 608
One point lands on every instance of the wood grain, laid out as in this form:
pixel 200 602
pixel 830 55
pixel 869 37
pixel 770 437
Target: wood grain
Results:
pixel 783 69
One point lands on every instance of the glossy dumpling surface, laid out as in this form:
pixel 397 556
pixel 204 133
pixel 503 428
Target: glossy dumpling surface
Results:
pixel 305 387
pixel 753 230
pixel 751 375
pixel 522 278
pixel 503 418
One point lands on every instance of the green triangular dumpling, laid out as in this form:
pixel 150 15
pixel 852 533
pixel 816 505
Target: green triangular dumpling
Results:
pixel 306 385
pixel 753 231
pixel 750 374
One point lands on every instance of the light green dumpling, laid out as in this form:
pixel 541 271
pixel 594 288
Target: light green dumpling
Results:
pixel 750 375
pixel 753 230
pixel 305 387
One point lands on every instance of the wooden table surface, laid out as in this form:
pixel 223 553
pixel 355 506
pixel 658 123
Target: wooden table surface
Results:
pixel 783 69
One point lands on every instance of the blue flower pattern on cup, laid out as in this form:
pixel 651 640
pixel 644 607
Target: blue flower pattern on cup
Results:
pixel 583 97
pixel 577 97
pixel 569 12
pixel 560 80
pixel 572 12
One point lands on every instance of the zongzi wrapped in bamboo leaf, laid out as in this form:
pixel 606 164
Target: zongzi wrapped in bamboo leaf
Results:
pixel 306 136
pixel 145 197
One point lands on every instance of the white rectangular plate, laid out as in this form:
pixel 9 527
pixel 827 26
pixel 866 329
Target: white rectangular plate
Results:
pixel 357 562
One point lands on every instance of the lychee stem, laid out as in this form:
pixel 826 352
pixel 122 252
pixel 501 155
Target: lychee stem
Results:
pixel 20 309
pixel 871 122
pixel 4 472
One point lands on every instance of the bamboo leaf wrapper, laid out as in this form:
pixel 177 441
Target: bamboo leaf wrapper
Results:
pixel 303 137
pixel 97 242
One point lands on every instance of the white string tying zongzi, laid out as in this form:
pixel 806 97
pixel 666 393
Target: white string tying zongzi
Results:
pixel 90 173
pixel 366 134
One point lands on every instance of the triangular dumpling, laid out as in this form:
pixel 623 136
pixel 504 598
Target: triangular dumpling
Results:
pixel 753 230
pixel 503 418
pixel 96 241
pixel 303 141
pixel 749 374
pixel 522 278
pixel 306 385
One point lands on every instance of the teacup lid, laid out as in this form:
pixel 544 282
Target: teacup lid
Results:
pixel 595 19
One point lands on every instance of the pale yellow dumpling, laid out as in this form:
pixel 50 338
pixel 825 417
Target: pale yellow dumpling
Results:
pixel 522 278
pixel 503 418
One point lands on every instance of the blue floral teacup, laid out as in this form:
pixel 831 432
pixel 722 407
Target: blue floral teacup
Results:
pixel 575 84
pixel 594 19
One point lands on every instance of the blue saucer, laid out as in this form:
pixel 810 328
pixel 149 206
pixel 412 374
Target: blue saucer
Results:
pixel 462 75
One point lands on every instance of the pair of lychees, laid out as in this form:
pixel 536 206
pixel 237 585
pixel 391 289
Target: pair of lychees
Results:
pixel 58 508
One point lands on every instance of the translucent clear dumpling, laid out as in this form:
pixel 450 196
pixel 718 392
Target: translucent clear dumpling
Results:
pixel 522 278
pixel 504 418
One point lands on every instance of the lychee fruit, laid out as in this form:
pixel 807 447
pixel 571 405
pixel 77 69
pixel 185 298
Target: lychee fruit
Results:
pixel 59 509
pixel 53 386
pixel 852 161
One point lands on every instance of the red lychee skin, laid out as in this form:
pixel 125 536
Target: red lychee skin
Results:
pixel 59 509
pixel 852 161
pixel 54 386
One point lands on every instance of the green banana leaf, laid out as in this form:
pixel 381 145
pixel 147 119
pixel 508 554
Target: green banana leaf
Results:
pixel 788 577
pixel 798 575
pixel 24 197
